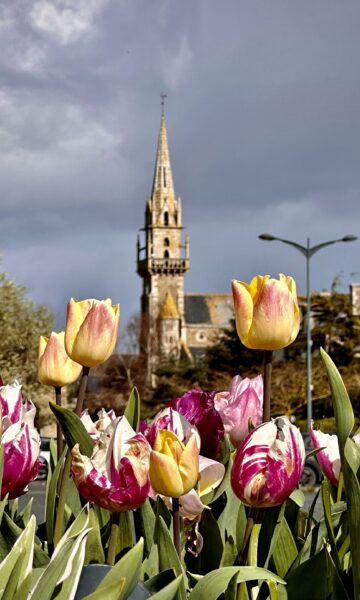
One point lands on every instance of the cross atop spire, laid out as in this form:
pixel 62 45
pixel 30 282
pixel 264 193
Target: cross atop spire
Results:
pixel 163 97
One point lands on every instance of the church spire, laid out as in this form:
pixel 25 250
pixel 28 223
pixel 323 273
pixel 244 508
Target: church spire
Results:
pixel 163 186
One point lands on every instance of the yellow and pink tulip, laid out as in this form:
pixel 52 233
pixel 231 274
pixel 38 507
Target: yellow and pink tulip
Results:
pixel 91 330
pixel 266 312
pixel 55 367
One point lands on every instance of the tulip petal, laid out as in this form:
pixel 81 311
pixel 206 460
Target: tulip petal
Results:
pixel 244 308
pixel 189 465
pixel 20 462
pixel 11 401
pixel 97 488
pixel 164 475
pixel 55 366
pixel 328 458
pixel 211 473
pixel 191 505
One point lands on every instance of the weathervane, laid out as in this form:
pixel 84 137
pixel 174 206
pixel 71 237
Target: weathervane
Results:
pixel 162 96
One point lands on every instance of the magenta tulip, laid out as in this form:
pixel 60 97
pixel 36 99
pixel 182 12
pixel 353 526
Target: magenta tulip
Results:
pixel 243 403
pixel 20 440
pixel 268 464
pixel 199 409
pixel 329 457
pixel 116 477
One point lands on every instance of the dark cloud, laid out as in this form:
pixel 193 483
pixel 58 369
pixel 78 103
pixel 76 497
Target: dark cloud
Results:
pixel 264 130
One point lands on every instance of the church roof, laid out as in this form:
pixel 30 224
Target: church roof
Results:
pixel 168 309
pixel 209 309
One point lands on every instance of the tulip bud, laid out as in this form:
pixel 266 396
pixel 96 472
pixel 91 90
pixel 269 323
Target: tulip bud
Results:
pixel 266 312
pixel 268 464
pixel 174 467
pixel 55 367
pixel 91 330
pixel 329 457
pixel 241 404
pixel 116 477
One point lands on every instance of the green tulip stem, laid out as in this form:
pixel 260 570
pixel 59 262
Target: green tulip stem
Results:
pixel 82 390
pixel 268 354
pixel 59 435
pixel 59 520
pixel 176 525
pixel 113 539
pixel 254 520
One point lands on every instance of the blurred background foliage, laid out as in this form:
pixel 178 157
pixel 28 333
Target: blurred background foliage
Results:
pixel 21 324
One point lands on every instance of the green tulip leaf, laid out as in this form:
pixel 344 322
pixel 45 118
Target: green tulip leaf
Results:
pixel 132 410
pixel 317 578
pixel 343 411
pixel 212 550
pixel 145 524
pixel 170 591
pixel 73 429
pixel 168 558
pixel 94 550
pixel 351 469
pixel 16 567
pixel 112 591
pixel 159 581
pixel 216 582
pixel 129 566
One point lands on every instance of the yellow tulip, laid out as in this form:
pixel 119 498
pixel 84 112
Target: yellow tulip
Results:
pixel 266 312
pixel 174 467
pixel 91 330
pixel 55 367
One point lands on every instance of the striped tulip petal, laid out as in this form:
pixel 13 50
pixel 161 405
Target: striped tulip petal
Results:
pixel 116 477
pixel 268 464
pixel 328 458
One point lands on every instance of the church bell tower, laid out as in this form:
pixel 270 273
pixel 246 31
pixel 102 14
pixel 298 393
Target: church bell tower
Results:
pixel 162 261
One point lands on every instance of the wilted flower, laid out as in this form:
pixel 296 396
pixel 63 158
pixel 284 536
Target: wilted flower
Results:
pixel 329 457
pixel 174 467
pixel 199 409
pixel 91 330
pixel 55 367
pixel 96 428
pixel 266 312
pixel 116 477
pixel 20 440
pixel 268 464
pixel 241 404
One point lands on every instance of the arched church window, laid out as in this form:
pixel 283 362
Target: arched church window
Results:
pixel 166 218
pixel 166 254
pixel 164 176
pixel 166 242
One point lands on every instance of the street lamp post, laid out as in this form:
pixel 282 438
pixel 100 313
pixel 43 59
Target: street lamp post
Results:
pixel 308 252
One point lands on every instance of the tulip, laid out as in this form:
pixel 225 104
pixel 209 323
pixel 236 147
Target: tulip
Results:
pixel 116 476
pixel 91 330
pixel 199 409
pixel 20 441
pixel 266 312
pixel 171 420
pixel 243 403
pixel 328 458
pixel 174 467
pixel 55 367
pixel 268 464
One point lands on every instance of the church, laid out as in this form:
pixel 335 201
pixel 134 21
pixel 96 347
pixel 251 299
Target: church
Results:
pixel 173 323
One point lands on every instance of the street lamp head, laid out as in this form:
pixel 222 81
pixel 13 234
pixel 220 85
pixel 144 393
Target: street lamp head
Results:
pixel 267 236
pixel 349 238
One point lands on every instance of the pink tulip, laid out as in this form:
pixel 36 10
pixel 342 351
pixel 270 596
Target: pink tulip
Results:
pixel 268 464
pixel 116 477
pixel 329 458
pixel 241 404
pixel 20 440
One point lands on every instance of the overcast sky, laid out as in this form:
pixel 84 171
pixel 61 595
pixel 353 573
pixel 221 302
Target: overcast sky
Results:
pixel 263 119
